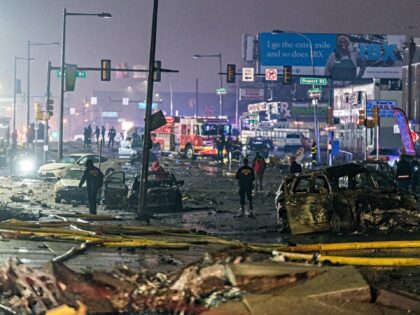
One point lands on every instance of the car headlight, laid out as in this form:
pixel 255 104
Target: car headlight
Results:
pixel 26 165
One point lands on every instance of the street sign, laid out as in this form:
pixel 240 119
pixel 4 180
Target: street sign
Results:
pixel 221 91
pixel 385 107
pixel 79 74
pixel 248 74
pixel 314 91
pixel 157 120
pixel 271 74
pixel 313 81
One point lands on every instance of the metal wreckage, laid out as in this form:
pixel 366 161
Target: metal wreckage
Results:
pixel 340 198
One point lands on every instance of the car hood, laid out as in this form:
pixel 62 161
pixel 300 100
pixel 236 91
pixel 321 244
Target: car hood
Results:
pixel 53 166
pixel 69 182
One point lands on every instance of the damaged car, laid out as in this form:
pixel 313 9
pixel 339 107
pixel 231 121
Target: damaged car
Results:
pixel 67 190
pixel 336 198
pixel 163 192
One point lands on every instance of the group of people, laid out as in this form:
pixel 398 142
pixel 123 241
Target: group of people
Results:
pixel 99 135
pixel 229 148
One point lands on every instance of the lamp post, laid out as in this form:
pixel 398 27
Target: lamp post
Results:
pixel 28 84
pixel 63 56
pixel 219 55
pixel 315 101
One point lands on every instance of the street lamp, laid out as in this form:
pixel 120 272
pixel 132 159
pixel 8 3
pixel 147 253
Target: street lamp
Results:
pixel 219 55
pixel 14 90
pixel 315 101
pixel 28 84
pixel 63 54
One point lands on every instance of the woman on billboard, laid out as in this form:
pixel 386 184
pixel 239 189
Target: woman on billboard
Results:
pixel 344 61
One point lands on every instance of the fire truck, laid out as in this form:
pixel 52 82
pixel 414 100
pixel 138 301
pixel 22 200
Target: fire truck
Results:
pixel 192 135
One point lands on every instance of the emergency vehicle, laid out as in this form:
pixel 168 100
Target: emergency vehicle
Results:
pixel 192 135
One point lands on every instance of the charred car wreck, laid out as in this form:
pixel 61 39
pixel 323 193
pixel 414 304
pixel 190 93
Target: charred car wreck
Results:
pixel 163 192
pixel 336 198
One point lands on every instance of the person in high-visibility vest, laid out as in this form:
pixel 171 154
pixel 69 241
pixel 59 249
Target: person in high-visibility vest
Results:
pixel 314 152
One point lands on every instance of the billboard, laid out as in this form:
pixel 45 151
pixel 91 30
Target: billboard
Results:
pixel 344 57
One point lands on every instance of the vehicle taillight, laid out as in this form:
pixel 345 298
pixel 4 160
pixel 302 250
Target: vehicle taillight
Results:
pixel 384 158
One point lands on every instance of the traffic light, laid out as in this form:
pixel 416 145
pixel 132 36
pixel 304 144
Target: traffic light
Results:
pixel 38 111
pixel 156 70
pixel 330 116
pixel 231 73
pixel 105 70
pixel 50 107
pixel 287 75
pixel 375 115
pixel 361 117
pixel 70 77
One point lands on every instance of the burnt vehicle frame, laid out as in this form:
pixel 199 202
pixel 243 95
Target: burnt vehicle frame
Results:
pixel 335 198
pixel 163 192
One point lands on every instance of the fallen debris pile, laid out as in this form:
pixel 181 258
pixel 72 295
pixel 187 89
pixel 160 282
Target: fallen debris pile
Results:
pixel 391 221
pixel 258 287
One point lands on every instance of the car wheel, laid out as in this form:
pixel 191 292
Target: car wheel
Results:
pixel 109 171
pixel 342 222
pixel 189 152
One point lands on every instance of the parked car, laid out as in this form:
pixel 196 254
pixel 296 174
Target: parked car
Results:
pixel 390 156
pixel 163 192
pixel 335 198
pixel 67 190
pixel 56 170
pixel 257 144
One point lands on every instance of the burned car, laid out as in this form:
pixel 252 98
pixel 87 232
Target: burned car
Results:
pixel 335 198
pixel 163 192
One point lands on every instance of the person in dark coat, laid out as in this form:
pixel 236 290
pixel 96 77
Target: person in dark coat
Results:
pixel 103 134
pixel 94 180
pixel 245 176
pixel 294 166
pixel 97 134
pixel 404 173
pixel 111 136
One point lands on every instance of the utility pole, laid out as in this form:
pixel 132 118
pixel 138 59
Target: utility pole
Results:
pixel 46 127
pixel 149 99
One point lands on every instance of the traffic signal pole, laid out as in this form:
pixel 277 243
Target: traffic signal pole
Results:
pixel 46 127
pixel 142 205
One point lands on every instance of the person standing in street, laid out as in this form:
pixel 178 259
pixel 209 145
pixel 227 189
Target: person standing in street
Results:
pixel 229 147
pixel 111 136
pixel 404 173
pixel 295 167
pixel 103 134
pixel 220 144
pixel 245 176
pixel 97 134
pixel 94 180
pixel 259 167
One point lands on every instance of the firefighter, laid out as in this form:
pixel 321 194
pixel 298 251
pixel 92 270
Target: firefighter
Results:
pixel 94 180
pixel 245 176
pixel 220 144
pixel 237 149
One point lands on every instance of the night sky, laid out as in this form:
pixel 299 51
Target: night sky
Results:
pixel 185 27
